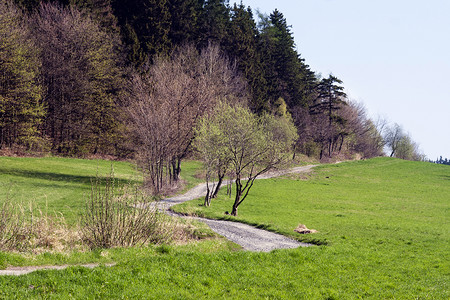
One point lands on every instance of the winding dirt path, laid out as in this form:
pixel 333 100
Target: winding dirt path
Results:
pixel 249 237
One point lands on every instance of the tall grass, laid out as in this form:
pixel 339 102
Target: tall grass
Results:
pixel 13 229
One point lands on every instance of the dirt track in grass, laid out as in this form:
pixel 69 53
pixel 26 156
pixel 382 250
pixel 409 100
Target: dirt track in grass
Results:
pixel 249 237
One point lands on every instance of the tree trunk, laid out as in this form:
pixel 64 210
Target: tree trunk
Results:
pixel 237 199
pixel 219 183
pixel 207 198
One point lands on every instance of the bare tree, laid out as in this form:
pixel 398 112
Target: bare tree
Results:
pixel 363 135
pixel 167 102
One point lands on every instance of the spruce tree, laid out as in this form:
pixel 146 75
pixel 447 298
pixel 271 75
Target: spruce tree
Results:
pixel 185 17
pixel 242 45
pixel 145 22
pixel 286 73
pixel 214 21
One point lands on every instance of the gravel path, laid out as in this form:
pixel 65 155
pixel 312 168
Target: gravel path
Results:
pixel 249 237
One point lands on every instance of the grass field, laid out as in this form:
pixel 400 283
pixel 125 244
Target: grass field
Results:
pixel 383 225
pixel 60 185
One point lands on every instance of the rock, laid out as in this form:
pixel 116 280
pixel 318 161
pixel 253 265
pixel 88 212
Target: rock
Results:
pixel 303 230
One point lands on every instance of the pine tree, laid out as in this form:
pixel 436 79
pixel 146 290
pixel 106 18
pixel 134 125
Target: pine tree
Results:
pixel 185 17
pixel 330 98
pixel 286 73
pixel 242 46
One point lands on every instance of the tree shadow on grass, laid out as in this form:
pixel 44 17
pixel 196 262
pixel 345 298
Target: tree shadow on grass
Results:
pixel 59 177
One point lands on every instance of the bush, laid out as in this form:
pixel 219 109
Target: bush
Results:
pixel 122 217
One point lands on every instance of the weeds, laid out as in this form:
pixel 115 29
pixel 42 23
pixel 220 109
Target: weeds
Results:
pixel 13 230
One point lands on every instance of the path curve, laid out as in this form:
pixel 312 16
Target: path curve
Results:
pixel 249 237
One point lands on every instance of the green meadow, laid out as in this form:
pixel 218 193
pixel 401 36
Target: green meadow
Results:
pixel 383 233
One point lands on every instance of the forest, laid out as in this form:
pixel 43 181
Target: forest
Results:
pixel 134 79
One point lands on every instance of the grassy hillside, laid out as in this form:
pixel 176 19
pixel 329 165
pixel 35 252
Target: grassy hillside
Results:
pixel 385 222
pixel 383 225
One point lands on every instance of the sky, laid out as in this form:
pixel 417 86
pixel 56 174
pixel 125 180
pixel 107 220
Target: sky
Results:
pixel 392 55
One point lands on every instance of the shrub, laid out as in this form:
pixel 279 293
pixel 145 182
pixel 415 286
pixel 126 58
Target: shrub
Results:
pixel 121 217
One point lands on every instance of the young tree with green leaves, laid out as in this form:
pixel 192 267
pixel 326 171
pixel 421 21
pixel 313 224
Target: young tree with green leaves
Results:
pixel 250 144
pixel 21 106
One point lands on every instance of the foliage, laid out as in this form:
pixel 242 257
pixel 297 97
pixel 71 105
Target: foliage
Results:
pixel 21 106
pixel 83 46
pixel 234 138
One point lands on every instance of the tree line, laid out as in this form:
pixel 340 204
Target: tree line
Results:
pixel 135 78
pixel 442 161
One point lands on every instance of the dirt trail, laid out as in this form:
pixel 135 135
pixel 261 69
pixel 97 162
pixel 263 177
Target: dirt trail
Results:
pixel 249 237
pixel 16 271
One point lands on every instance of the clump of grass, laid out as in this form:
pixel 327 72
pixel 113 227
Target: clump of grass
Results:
pixel 22 230
pixel 122 217
pixel 53 234
pixel 13 230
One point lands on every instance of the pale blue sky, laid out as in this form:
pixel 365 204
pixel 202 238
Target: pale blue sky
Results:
pixel 393 56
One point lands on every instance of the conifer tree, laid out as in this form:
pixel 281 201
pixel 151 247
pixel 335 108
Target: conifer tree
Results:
pixel 330 98
pixel 286 74
pixel 242 46
pixel 185 17
pixel 214 22
pixel 145 27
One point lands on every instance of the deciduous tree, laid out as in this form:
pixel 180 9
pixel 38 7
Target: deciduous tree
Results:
pixel 21 106
pixel 81 71
pixel 251 145
pixel 168 101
